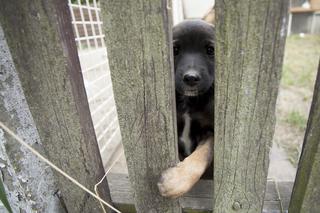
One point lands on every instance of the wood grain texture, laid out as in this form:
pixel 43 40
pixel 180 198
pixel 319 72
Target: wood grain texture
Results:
pixel 138 38
pixel 306 191
pixel 27 186
pixel 250 38
pixel 41 41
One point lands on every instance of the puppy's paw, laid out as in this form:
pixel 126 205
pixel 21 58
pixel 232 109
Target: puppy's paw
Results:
pixel 176 181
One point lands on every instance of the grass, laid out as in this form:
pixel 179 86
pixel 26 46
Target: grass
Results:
pixel 293 152
pixel 299 72
pixel 294 122
pixel 301 61
pixel 296 119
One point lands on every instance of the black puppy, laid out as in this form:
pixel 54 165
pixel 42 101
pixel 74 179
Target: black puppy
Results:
pixel 193 46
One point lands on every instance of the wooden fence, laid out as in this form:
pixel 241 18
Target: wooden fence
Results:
pixel 250 38
pixel 40 38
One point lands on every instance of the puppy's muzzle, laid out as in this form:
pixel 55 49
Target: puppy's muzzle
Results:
pixel 191 78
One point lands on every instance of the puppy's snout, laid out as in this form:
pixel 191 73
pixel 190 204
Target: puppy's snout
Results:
pixel 191 78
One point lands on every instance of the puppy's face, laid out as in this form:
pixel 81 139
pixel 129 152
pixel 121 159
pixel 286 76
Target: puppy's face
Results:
pixel 193 49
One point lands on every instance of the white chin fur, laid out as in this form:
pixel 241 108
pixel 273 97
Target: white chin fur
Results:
pixel 191 93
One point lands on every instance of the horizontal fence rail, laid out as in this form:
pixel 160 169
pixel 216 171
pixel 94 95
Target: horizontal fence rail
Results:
pixel 199 199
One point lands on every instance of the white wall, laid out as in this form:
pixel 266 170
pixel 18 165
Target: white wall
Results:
pixel 197 8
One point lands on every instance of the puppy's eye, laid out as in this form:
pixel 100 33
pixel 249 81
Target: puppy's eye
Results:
pixel 210 50
pixel 176 50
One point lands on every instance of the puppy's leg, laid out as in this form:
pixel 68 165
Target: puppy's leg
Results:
pixel 177 180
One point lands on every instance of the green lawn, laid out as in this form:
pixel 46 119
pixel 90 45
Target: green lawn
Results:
pixel 301 61
pixel 300 65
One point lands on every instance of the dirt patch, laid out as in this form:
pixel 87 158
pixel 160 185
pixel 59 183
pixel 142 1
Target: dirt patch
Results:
pixel 289 133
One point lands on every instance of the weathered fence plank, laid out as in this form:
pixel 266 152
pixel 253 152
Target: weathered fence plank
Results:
pixel 40 38
pixel 139 48
pixel 30 184
pixel 250 38
pixel 306 192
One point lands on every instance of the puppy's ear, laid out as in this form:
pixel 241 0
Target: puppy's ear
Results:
pixel 209 16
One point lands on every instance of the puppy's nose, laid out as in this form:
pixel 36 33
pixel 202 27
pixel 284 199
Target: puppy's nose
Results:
pixel 191 79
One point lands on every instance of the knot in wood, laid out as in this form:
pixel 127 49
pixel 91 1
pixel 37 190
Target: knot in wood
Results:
pixel 236 206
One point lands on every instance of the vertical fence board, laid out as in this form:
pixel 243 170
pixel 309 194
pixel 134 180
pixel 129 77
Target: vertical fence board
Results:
pixel 39 34
pixel 30 184
pixel 250 38
pixel 139 47
pixel 306 190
